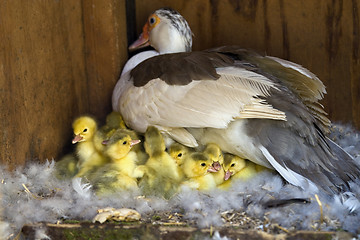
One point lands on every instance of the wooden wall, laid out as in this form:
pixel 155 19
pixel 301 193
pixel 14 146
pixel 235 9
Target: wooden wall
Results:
pixel 60 59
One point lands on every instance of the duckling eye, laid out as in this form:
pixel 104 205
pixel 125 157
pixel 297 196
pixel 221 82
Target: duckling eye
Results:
pixel 85 130
pixel 125 142
pixel 180 154
pixel 232 165
pixel 203 164
pixel 152 20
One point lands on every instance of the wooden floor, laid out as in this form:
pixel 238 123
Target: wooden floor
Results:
pixel 85 231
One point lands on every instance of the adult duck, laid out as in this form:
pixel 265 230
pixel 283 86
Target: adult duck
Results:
pixel 260 108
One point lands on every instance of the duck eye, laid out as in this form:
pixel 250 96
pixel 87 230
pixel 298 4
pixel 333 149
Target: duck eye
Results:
pixel 232 165
pixel 203 164
pixel 152 21
pixel 125 142
pixel 85 130
pixel 180 154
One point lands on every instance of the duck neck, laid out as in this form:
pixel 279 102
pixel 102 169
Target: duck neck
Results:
pixel 170 41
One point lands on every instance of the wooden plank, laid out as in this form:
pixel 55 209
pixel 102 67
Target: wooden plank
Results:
pixel 59 59
pixel 105 50
pixel 355 62
pixel 151 231
pixel 321 35
pixel 41 68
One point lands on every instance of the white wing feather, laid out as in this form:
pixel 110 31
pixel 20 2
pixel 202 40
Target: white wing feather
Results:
pixel 291 176
pixel 198 104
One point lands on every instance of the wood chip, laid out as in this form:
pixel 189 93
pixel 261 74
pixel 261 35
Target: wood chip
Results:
pixel 121 214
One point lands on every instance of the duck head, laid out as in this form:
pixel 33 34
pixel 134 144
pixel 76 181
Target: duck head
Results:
pixel 166 31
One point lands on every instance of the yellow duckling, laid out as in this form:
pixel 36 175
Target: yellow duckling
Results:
pixel 114 121
pixel 120 173
pixel 237 168
pixel 90 158
pixel 179 152
pixel 161 175
pixel 197 167
pixel 214 153
pixel 66 167
pixel 138 148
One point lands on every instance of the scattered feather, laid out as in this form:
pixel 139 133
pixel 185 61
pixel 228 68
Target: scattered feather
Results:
pixel 82 189
pixel 32 194
pixel 217 236
pixel 40 234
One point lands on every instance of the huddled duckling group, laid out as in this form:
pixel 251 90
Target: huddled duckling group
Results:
pixel 114 158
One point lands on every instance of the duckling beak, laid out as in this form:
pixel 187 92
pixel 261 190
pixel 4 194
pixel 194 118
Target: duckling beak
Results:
pixel 211 169
pixel 216 166
pixel 227 175
pixel 77 138
pixel 105 142
pixel 134 142
pixel 142 41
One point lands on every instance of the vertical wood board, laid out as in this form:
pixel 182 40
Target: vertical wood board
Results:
pixel 41 54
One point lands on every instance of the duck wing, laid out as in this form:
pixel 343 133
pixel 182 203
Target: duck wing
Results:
pixel 299 150
pixel 303 83
pixel 198 89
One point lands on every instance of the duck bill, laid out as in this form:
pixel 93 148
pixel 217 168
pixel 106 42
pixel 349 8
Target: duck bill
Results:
pixel 227 175
pixel 77 139
pixel 134 142
pixel 142 41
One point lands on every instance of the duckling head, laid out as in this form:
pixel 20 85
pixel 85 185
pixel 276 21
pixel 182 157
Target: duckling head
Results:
pixel 196 164
pixel 232 164
pixel 178 152
pixel 114 120
pixel 119 144
pixel 84 129
pixel 214 153
pixel 154 141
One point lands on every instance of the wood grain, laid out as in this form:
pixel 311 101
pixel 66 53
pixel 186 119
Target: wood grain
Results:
pixel 105 50
pixel 58 60
pixel 41 52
